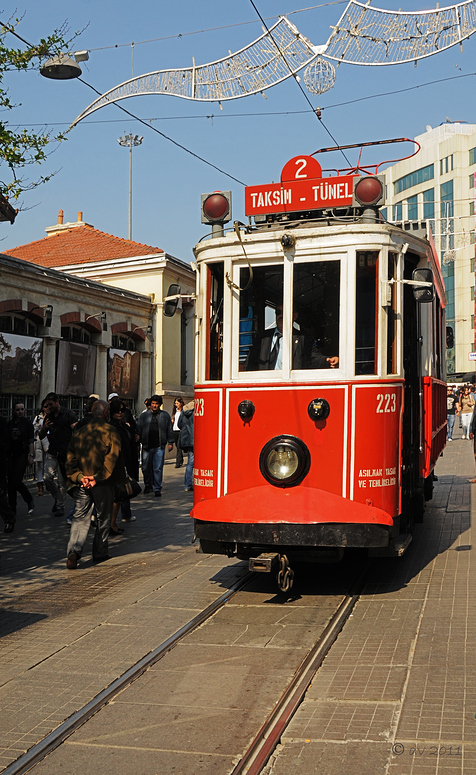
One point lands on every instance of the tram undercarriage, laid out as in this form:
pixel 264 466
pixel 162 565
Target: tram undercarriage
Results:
pixel 275 548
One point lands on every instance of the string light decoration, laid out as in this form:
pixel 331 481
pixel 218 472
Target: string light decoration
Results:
pixel 319 76
pixel 448 257
pixel 362 36
pixel 373 36
pixel 272 58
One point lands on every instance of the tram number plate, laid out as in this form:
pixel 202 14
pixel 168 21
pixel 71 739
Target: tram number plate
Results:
pixel 386 402
pixel 199 407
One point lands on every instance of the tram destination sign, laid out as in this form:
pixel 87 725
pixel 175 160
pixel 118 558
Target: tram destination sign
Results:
pixel 302 187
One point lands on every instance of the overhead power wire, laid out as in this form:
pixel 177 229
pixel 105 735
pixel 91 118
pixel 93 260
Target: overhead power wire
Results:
pixel 267 113
pixel 8 28
pixel 141 121
pixel 166 137
pixel 214 29
pixel 296 79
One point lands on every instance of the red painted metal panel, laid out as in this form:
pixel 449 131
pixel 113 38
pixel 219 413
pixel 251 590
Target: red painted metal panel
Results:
pixel 296 195
pixel 296 505
pixel 284 411
pixel 434 424
pixel 377 433
pixel 207 444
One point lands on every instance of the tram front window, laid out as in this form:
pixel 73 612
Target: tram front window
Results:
pixel 261 307
pixel 214 357
pixel 366 312
pixel 316 290
pixel 314 336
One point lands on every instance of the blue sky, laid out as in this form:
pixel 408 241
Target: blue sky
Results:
pixel 92 169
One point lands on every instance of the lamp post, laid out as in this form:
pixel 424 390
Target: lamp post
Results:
pixel 130 141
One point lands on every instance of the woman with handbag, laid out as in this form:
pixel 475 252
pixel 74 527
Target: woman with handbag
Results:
pixel 466 406
pixel 131 461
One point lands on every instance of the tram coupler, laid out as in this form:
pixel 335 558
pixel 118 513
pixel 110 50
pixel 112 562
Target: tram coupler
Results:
pixel 264 563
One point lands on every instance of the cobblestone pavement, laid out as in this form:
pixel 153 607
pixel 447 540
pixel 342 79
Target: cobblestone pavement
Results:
pixel 68 634
pixel 397 692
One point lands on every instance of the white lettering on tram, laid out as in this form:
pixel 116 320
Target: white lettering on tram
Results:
pixel 325 191
pixel 367 477
pixel 281 196
pixel 200 477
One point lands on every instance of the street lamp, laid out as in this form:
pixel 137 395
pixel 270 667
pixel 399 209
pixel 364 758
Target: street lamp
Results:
pixel 130 141
pixel 61 68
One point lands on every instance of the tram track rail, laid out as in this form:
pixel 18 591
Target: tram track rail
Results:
pixel 264 743
pixel 261 748
pixel 54 739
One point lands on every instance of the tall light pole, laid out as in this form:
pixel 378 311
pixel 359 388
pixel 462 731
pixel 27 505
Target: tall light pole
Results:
pixel 130 141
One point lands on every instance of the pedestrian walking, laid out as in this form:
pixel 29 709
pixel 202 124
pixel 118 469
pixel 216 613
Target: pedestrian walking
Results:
pixel 466 406
pixel 146 471
pixel 178 406
pixel 186 439
pixel 41 448
pixel 20 447
pixel 451 411
pixel 118 412
pixel 58 426
pixel 154 431
pixel 94 465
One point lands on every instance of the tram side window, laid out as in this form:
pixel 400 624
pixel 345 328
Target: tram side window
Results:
pixel 392 366
pixel 316 293
pixel 214 363
pixel 437 339
pixel 261 321
pixel 366 312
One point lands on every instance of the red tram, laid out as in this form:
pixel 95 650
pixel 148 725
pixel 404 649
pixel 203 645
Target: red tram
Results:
pixel 320 405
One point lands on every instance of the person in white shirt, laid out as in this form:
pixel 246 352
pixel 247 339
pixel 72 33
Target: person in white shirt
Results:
pixel 176 412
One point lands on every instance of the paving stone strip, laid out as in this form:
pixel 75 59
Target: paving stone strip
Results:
pixel 67 634
pixel 397 693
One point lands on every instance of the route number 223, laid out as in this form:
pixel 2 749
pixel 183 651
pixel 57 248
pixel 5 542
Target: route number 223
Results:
pixel 386 403
pixel 199 407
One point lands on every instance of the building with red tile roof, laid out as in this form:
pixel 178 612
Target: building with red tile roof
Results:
pixel 68 244
pixel 77 248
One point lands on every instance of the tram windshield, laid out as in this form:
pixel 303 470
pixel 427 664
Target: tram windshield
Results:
pixel 316 290
pixel 313 324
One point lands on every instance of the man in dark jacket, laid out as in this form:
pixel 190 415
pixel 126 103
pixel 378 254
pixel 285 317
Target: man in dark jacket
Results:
pixel 58 425
pixel 20 447
pixel 94 465
pixel 154 431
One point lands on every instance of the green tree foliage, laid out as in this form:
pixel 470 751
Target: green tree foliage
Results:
pixel 18 149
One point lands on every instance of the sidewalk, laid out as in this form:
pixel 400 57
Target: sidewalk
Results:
pixel 397 693
pixel 395 696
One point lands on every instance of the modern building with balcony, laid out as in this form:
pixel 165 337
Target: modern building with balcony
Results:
pixel 437 185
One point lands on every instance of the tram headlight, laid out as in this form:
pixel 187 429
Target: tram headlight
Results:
pixel 284 461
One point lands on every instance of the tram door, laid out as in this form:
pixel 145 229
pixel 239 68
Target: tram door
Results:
pixel 412 494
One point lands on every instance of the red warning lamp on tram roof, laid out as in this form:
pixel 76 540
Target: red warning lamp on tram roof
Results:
pixel 216 207
pixel 369 191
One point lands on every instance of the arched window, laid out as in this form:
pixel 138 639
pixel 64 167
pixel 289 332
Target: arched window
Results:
pixel 17 324
pixel 123 342
pixel 75 334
